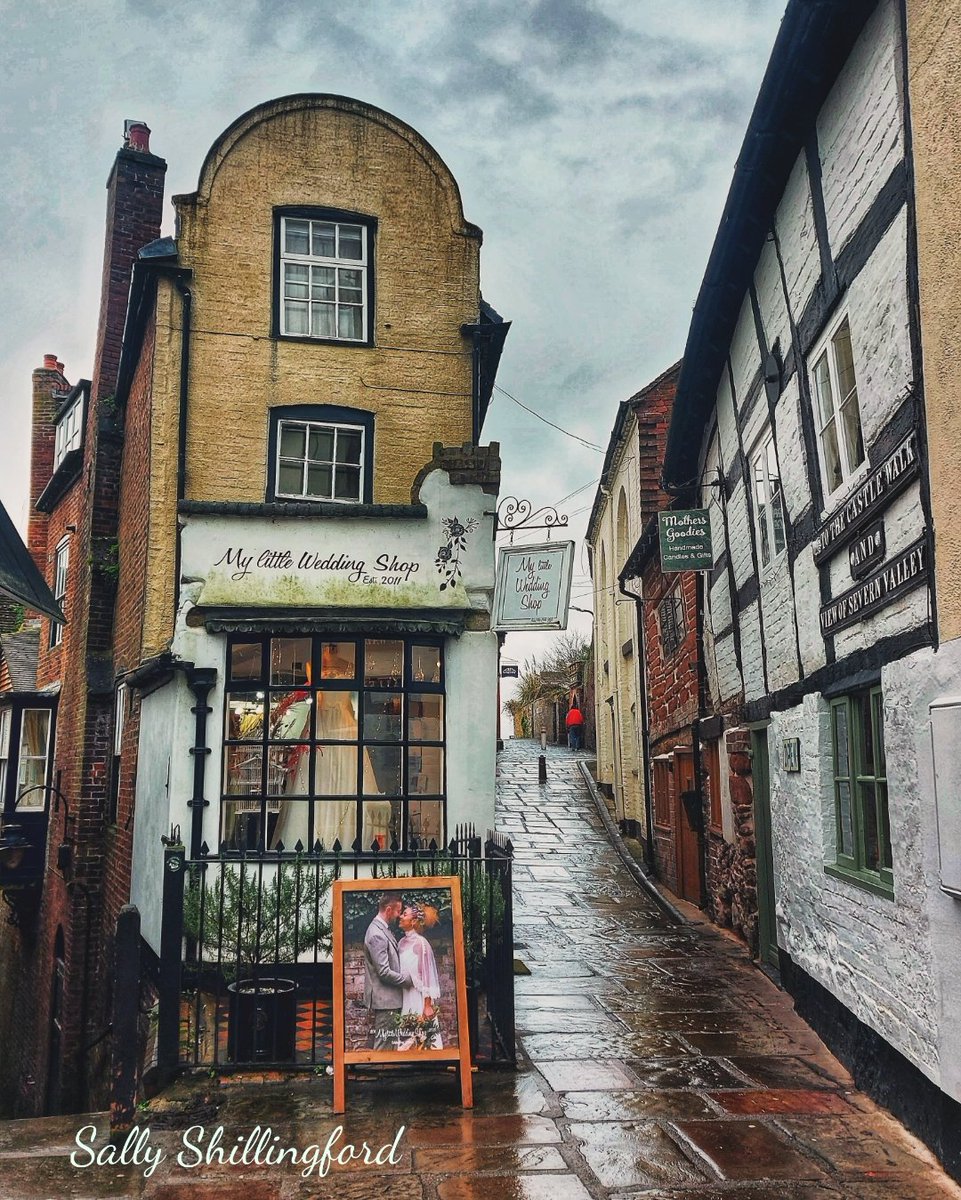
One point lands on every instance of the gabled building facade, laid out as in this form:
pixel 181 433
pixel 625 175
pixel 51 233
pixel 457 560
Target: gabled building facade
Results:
pixel 800 419
pixel 291 650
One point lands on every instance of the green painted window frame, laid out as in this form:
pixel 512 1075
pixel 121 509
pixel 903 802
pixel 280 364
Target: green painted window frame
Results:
pixel 864 772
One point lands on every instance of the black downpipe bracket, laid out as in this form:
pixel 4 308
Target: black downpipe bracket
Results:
pixel 200 680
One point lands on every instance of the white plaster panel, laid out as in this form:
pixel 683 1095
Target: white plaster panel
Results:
pixel 726 427
pixel 877 307
pixel 770 299
pixel 166 734
pixel 710 662
pixel 777 611
pixel 794 222
pixel 744 354
pixel 728 677
pixel 791 455
pixel 751 659
pixel 859 127
pixel 739 534
pixel 471 666
pixel 721 612
pixel 807 590
pixel 872 953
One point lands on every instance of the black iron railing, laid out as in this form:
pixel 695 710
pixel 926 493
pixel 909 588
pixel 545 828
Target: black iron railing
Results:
pixel 245 976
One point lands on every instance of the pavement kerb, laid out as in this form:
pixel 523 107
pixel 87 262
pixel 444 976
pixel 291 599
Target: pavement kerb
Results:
pixel 628 859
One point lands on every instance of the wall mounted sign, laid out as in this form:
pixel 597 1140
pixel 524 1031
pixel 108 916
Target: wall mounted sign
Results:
pixel 509 671
pixel 867 550
pixel 386 928
pixel 791 754
pixel 867 501
pixel 685 538
pixel 533 587
pixel 893 579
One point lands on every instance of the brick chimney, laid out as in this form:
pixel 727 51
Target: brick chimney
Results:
pixel 134 211
pixel 48 385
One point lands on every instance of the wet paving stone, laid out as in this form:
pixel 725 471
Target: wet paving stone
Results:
pixel 505 1160
pixel 685 1073
pixel 633 1153
pixel 599 1075
pixel 861 1146
pixel 524 1187
pixel 790 1072
pixel 633 1106
pixel 546 1047
pixel 747 1150
pixel 470 1130
pixel 781 1100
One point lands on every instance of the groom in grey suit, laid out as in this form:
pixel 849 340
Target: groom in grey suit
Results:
pixel 384 981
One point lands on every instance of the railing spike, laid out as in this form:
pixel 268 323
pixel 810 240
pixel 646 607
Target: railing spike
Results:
pixel 337 847
pixel 432 846
pixel 279 847
pixel 204 849
pixel 299 848
pixel 394 846
pixel 318 846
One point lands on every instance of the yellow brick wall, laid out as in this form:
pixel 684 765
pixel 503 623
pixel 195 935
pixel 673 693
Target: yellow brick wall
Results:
pixel 416 379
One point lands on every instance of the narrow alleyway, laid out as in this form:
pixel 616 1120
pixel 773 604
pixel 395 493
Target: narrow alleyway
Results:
pixel 656 1062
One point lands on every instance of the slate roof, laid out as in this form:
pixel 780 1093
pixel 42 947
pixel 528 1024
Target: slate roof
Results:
pixel 20 653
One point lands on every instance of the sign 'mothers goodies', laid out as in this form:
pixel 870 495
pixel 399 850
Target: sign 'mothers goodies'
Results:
pixel 533 587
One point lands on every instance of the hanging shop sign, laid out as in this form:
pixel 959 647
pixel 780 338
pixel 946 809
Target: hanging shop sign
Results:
pixel 533 587
pixel 685 538
pixel 868 501
pixel 893 579
pixel 509 671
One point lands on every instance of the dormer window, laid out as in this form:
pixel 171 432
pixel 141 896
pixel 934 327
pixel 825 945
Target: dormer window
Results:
pixel 69 430
pixel 324 276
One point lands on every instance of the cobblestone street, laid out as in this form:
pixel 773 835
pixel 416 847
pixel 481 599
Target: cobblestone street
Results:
pixel 656 1061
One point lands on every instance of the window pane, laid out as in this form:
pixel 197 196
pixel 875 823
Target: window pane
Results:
pixel 383 712
pixel 822 388
pixel 33 732
pixel 845 826
pixel 324 244
pixel 851 425
pixel 425 820
pixel 290 479
pixel 347 483
pixel 426 664
pixel 289 716
pixel 335 771
pixel 351 241
pixel 832 459
pixel 322 283
pixel 245 716
pixel 381 823
pixel 425 717
pixel 844 361
pixel 242 825
pixel 243 771
pixel 877 709
pixel 245 660
pixel 350 281
pixel 320 481
pixel 350 323
pixel 295 281
pixel 842 758
pixel 288 770
pixel 292 439
pixel 425 771
pixel 869 818
pixel 348 446
pixel 884 825
pixel 382 771
pixel 337 716
pixel 290 660
pixel 291 825
pixel 295 317
pixel 296 237
pixel 322 320
pixel 383 663
pixel 338 660
pixel 863 710
pixel 321 445
pixel 335 820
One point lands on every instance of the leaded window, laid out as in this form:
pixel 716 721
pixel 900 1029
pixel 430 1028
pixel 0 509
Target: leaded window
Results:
pixel 334 740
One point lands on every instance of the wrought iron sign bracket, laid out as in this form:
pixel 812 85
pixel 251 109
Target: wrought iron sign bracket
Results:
pixel 513 514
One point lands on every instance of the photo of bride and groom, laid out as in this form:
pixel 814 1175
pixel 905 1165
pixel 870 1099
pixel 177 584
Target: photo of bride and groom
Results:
pixel 399 971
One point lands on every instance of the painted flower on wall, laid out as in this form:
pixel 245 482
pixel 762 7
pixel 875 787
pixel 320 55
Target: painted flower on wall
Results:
pixel 448 555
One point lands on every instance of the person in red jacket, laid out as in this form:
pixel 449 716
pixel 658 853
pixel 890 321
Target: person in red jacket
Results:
pixel 575 726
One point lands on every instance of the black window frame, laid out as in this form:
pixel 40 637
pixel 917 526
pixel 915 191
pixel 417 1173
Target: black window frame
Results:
pixel 408 684
pixel 327 414
pixel 673 631
pixel 337 215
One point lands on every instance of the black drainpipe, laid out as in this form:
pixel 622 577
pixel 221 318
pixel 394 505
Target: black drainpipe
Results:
pixel 187 299
pixel 645 774
pixel 702 833
pixel 200 680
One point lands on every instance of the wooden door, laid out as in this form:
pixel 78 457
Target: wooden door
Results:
pixel 687 843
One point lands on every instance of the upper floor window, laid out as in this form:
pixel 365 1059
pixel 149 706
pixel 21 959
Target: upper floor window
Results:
pixel 34 753
pixel 861 789
pixel 768 501
pixel 321 452
pixel 324 276
pixel 69 431
pixel 61 565
pixel 837 413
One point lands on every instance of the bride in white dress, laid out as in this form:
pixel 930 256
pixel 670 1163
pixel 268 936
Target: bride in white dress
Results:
pixel 417 961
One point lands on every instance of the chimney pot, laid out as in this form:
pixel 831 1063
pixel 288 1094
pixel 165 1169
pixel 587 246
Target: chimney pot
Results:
pixel 50 362
pixel 136 136
pixel 59 366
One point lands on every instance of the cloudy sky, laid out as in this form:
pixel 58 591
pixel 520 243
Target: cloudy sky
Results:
pixel 593 141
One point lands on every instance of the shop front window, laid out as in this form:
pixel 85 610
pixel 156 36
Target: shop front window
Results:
pixel 333 740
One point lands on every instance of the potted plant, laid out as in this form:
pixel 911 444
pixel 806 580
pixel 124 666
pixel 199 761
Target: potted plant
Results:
pixel 251 920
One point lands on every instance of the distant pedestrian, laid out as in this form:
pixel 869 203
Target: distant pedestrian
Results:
pixel 575 727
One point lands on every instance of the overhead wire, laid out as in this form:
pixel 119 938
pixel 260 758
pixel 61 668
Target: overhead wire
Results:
pixel 553 424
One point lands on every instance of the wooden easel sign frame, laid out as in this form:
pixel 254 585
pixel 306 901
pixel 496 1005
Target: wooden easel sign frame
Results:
pixel 395 942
